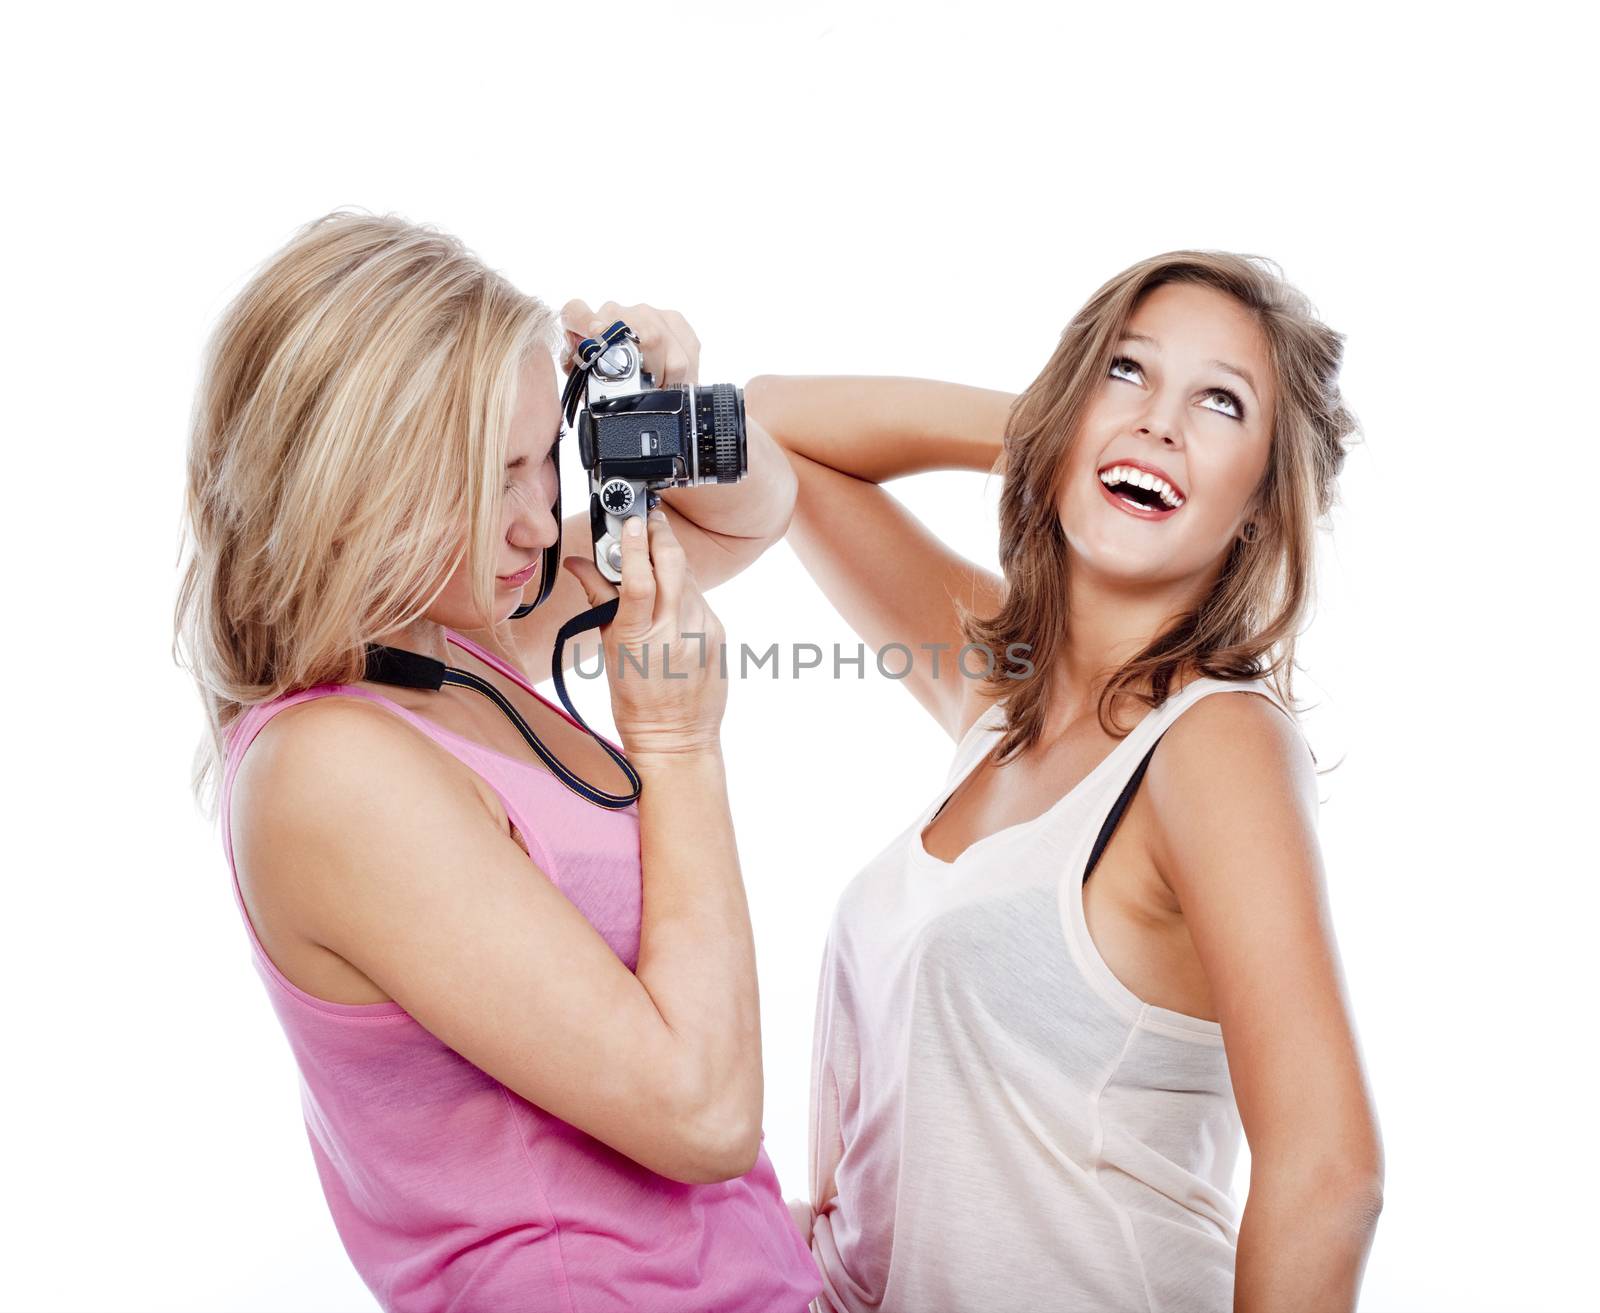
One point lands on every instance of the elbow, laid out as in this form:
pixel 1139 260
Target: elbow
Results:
pixel 1360 1183
pixel 1343 1194
pixel 714 1147
pixel 728 1154
pixel 1355 1195
pixel 1364 1200
pixel 714 1136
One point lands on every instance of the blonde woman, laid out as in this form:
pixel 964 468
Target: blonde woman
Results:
pixel 526 1025
pixel 1029 1084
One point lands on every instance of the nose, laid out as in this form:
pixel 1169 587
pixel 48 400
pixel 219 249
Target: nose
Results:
pixel 534 526
pixel 534 531
pixel 1161 422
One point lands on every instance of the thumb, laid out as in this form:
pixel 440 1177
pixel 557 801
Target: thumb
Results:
pixel 596 587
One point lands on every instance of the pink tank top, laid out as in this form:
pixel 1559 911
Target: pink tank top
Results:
pixel 451 1192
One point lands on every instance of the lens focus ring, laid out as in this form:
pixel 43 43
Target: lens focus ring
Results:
pixel 729 440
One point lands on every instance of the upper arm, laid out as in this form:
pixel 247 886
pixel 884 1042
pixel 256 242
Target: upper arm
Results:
pixel 405 874
pixel 1233 792
pixel 893 581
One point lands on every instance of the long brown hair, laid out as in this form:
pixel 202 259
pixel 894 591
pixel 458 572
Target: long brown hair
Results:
pixel 1246 626
pixel 345 456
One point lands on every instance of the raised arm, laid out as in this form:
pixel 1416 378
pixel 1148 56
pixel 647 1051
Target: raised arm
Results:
pixel 891 579
pixel 1233 791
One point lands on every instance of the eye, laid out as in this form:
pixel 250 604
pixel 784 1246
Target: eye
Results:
pixel 1238 406
pixel 1231 399
pixel 1123 360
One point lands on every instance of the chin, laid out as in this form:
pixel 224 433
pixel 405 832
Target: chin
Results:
pixel 1132 570
pixel 1114 553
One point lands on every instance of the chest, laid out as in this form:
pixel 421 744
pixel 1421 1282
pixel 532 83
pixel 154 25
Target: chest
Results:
pixel 993 798
pixel 1135 921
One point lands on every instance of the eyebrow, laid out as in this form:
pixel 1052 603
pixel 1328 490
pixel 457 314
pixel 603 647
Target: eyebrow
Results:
pixel 1237 370
pixel 523 460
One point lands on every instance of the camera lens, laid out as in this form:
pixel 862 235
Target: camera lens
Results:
pixel 724 457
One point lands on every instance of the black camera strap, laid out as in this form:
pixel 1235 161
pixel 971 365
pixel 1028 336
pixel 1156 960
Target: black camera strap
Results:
pixel 394 665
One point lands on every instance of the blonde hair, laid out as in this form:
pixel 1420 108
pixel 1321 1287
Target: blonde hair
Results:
pixel 1246 626
pixel 346 453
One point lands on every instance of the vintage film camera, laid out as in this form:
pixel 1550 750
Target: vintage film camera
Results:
pixel 635 438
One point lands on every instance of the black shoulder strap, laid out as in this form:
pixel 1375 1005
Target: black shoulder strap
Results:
pixel 1123 799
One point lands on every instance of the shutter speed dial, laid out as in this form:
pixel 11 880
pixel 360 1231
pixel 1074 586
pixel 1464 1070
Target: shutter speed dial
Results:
pixel 617 496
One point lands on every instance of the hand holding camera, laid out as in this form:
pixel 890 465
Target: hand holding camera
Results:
pixel 662 648
pixel 644 424
pixel 670 348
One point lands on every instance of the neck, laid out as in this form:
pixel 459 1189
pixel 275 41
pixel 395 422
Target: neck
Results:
pixel 1108 624
pixel 423 637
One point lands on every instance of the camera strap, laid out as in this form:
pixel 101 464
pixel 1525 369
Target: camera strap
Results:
pixel 394 665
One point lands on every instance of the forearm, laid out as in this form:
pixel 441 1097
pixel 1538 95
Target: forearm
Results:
pixel 757 507
pixel 1303 1242
pixel 882 428
pixel 696 950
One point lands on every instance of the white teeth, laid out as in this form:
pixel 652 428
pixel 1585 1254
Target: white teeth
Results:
pixel 1143 479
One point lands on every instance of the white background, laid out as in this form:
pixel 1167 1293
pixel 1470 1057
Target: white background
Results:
pixel 819 188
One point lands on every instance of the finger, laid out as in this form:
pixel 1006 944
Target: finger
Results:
pixel 666 553
pixel 658 346
pixel 596 587
pixel 688 343
pixel 654 341
pixel 606 315
pixel 638 590
pixel 671 354
pixel 575 317
pixel 682 331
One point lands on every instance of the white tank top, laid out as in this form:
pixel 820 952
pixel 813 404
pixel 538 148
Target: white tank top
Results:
pixel 997 1122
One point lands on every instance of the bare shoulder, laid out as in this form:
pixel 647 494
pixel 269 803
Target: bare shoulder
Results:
pixel 1235 757
pixel 334 777
pixel 338 740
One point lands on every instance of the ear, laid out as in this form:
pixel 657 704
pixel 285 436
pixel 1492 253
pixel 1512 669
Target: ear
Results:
pixel 1256 508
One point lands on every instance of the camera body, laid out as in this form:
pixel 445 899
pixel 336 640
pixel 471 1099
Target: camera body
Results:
pixel 635 439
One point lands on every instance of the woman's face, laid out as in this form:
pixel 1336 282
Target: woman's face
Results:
pixel 528 523
pixel 1190 397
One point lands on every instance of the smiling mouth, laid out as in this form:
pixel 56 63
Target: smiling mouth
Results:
pixel 1130 495
pixel 1140 491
